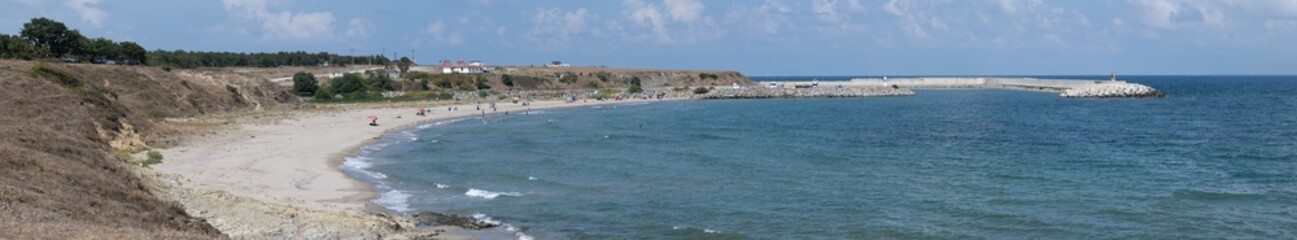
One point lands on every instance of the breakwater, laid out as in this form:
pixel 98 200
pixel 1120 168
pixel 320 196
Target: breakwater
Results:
pixel 794 92
pixel 1069 88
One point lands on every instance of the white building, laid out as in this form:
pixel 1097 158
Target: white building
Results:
pixel 474 66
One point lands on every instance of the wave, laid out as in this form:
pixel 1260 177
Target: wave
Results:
pixel 473 192
pixel 442 186
pixel 361 165
pixel 507 227
pixel 532 178
pixel 396 200
pixel 705 230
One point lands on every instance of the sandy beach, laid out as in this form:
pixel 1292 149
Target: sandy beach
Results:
pixel 293 162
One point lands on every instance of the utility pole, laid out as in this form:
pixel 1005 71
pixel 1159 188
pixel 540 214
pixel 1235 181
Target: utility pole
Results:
pixel 411 55
pixel 383 53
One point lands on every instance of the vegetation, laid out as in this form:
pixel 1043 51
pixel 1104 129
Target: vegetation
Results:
pixel 603 76
pixel 592 84
pixel 154 157
pixel 635 86
pixel 45 38
pixel 701 90
pixel 705 76
pixel 305 84
pixel 507 80
pixel 234 93
pixel 404 65
pixel 347 84
pixel 183 59
pixel 481 83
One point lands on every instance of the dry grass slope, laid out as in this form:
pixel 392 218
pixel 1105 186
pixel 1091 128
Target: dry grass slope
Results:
pixel 59 176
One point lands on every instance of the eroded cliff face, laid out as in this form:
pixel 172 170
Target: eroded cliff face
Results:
pixel 63 125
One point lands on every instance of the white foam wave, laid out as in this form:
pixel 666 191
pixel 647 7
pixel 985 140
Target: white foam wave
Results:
pixel 442 186
pixel 507 227
pixel 710 231
pixel 361 165
pixel 423 126
pixel 532 178
pixel 473 192
pixel 396 200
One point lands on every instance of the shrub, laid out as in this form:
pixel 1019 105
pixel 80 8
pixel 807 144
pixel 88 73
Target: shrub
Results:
pixel 348 83
pixel 634 89
pixel 155 157
pixel 305 83
pixel 481 83
pixel 507 80
pixel 41 70
pixel 603 76
pixel 701 90
pixel 592 84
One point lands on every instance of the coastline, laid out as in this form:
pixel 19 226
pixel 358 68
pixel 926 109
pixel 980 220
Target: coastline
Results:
pixel 294 165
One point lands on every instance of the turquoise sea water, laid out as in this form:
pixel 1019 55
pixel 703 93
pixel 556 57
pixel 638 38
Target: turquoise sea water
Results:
pixel 1216 159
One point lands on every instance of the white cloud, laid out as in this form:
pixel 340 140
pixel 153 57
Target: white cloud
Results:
pixel 684 10
pixel 682 22
pixel 555 26
pixel 88 12
pixel 360 28
pixel 438 31
pixel 282 25
pixel 768 19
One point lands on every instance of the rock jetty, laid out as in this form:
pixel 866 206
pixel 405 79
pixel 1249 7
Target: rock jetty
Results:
pixel 816 92
pixel 1115 90
pixel 1069 88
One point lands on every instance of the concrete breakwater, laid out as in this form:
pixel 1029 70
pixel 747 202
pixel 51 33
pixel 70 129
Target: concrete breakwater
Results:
pixel 1069 88
pixel 817 92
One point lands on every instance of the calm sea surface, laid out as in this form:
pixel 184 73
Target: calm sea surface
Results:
pixel 1216 159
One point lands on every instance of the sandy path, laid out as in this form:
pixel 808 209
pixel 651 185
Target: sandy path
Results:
pixel 295 161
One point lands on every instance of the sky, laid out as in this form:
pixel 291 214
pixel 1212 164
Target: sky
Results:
pixel 756 37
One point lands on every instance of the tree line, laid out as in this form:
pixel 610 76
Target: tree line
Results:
pixel 195 59
pixel 42 38
pixel 45 38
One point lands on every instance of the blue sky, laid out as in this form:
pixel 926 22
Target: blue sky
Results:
pixel 759 37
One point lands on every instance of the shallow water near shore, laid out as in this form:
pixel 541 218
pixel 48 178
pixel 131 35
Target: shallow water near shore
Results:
pixel 1218 158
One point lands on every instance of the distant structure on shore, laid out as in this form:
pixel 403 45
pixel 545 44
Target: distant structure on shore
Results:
pixel 557 64
pixel 474 66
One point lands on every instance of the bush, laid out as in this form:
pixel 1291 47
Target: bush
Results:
pixel 507 80
pixel 603 76
pixel 634 89
pixel 155 157
pixel 348 83
pixel 701 90
pixel 481 83
pixel 323 94
pixel 305 84
pixel 41 70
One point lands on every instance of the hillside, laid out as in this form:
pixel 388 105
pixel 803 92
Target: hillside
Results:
pixel 574 78
pixel 64 125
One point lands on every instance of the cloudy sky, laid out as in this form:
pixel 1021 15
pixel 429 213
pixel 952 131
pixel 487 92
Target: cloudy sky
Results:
pixel 758 37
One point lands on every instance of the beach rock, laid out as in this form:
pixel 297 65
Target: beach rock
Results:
pixel 438 219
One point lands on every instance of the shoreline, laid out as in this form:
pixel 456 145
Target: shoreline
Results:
pixel 294 164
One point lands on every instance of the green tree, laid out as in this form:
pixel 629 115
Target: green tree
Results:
pixel 305 83
pixel 635 86
pixel 133 51
pixel 103 48
pixel 507 80
pixel 346 84
pixel 52 34
pixel 404 65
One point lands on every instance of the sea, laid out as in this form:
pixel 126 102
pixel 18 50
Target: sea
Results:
pixel 1217 158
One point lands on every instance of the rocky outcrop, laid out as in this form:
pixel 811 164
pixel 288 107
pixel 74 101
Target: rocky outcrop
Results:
pixel 818 92
pixel 438 219
pixel 1112 90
